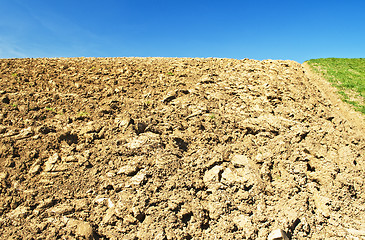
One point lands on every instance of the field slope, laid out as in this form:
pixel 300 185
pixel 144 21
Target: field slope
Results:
pixel 347 74
pixel 174 148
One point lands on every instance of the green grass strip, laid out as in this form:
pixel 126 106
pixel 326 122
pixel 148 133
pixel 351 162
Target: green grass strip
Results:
pixel 347 74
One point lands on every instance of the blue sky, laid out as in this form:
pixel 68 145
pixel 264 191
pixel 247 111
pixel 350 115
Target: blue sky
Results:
pixel 295 30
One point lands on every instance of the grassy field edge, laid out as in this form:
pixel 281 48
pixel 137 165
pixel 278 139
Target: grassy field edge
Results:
pixel 347 75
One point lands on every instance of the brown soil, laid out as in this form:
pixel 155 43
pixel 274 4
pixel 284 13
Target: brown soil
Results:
pixel 158 148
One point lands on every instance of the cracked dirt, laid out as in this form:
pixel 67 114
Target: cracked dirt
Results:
pixel 174 148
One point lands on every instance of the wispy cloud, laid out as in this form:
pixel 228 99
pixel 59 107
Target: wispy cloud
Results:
pixel 10 50
pixel 44 32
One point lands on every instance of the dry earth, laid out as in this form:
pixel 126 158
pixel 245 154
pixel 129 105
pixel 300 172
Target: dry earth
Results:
pixel 159 148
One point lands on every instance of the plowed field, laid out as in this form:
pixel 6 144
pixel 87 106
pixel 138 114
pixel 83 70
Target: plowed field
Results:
pixel 165 148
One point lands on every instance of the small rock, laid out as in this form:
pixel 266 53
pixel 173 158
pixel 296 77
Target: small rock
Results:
pixel 108 215
pixel 139 178
pixel 100 200
pixel 23 108
pixel 20 211
pixel 305 225
pixel 216 210
pixel 46 203
pixel 148 140
pixel 110 203
pixel 83 161
pixel 238 175
pixel 242 222
pixel 49 166
pixel 90 127
pixel 3 175
pixel 12 132
pixel 70 159
pixel 110 174
pixel 240 160
pixel 322 204
pixel 81 204
pixel 128 170
pixel 26 132
pixel 34 169
pixel 277 234
pixel 61 168
pixel 245 175
pixel 87 154
pixel 160 236
pixel 84 229
pixel 118 89
pixel 123 122
pixel 213 162
pixel 129 220
pixel 54 158
pixel 213 175
pixel 62 209
pixel 229 176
